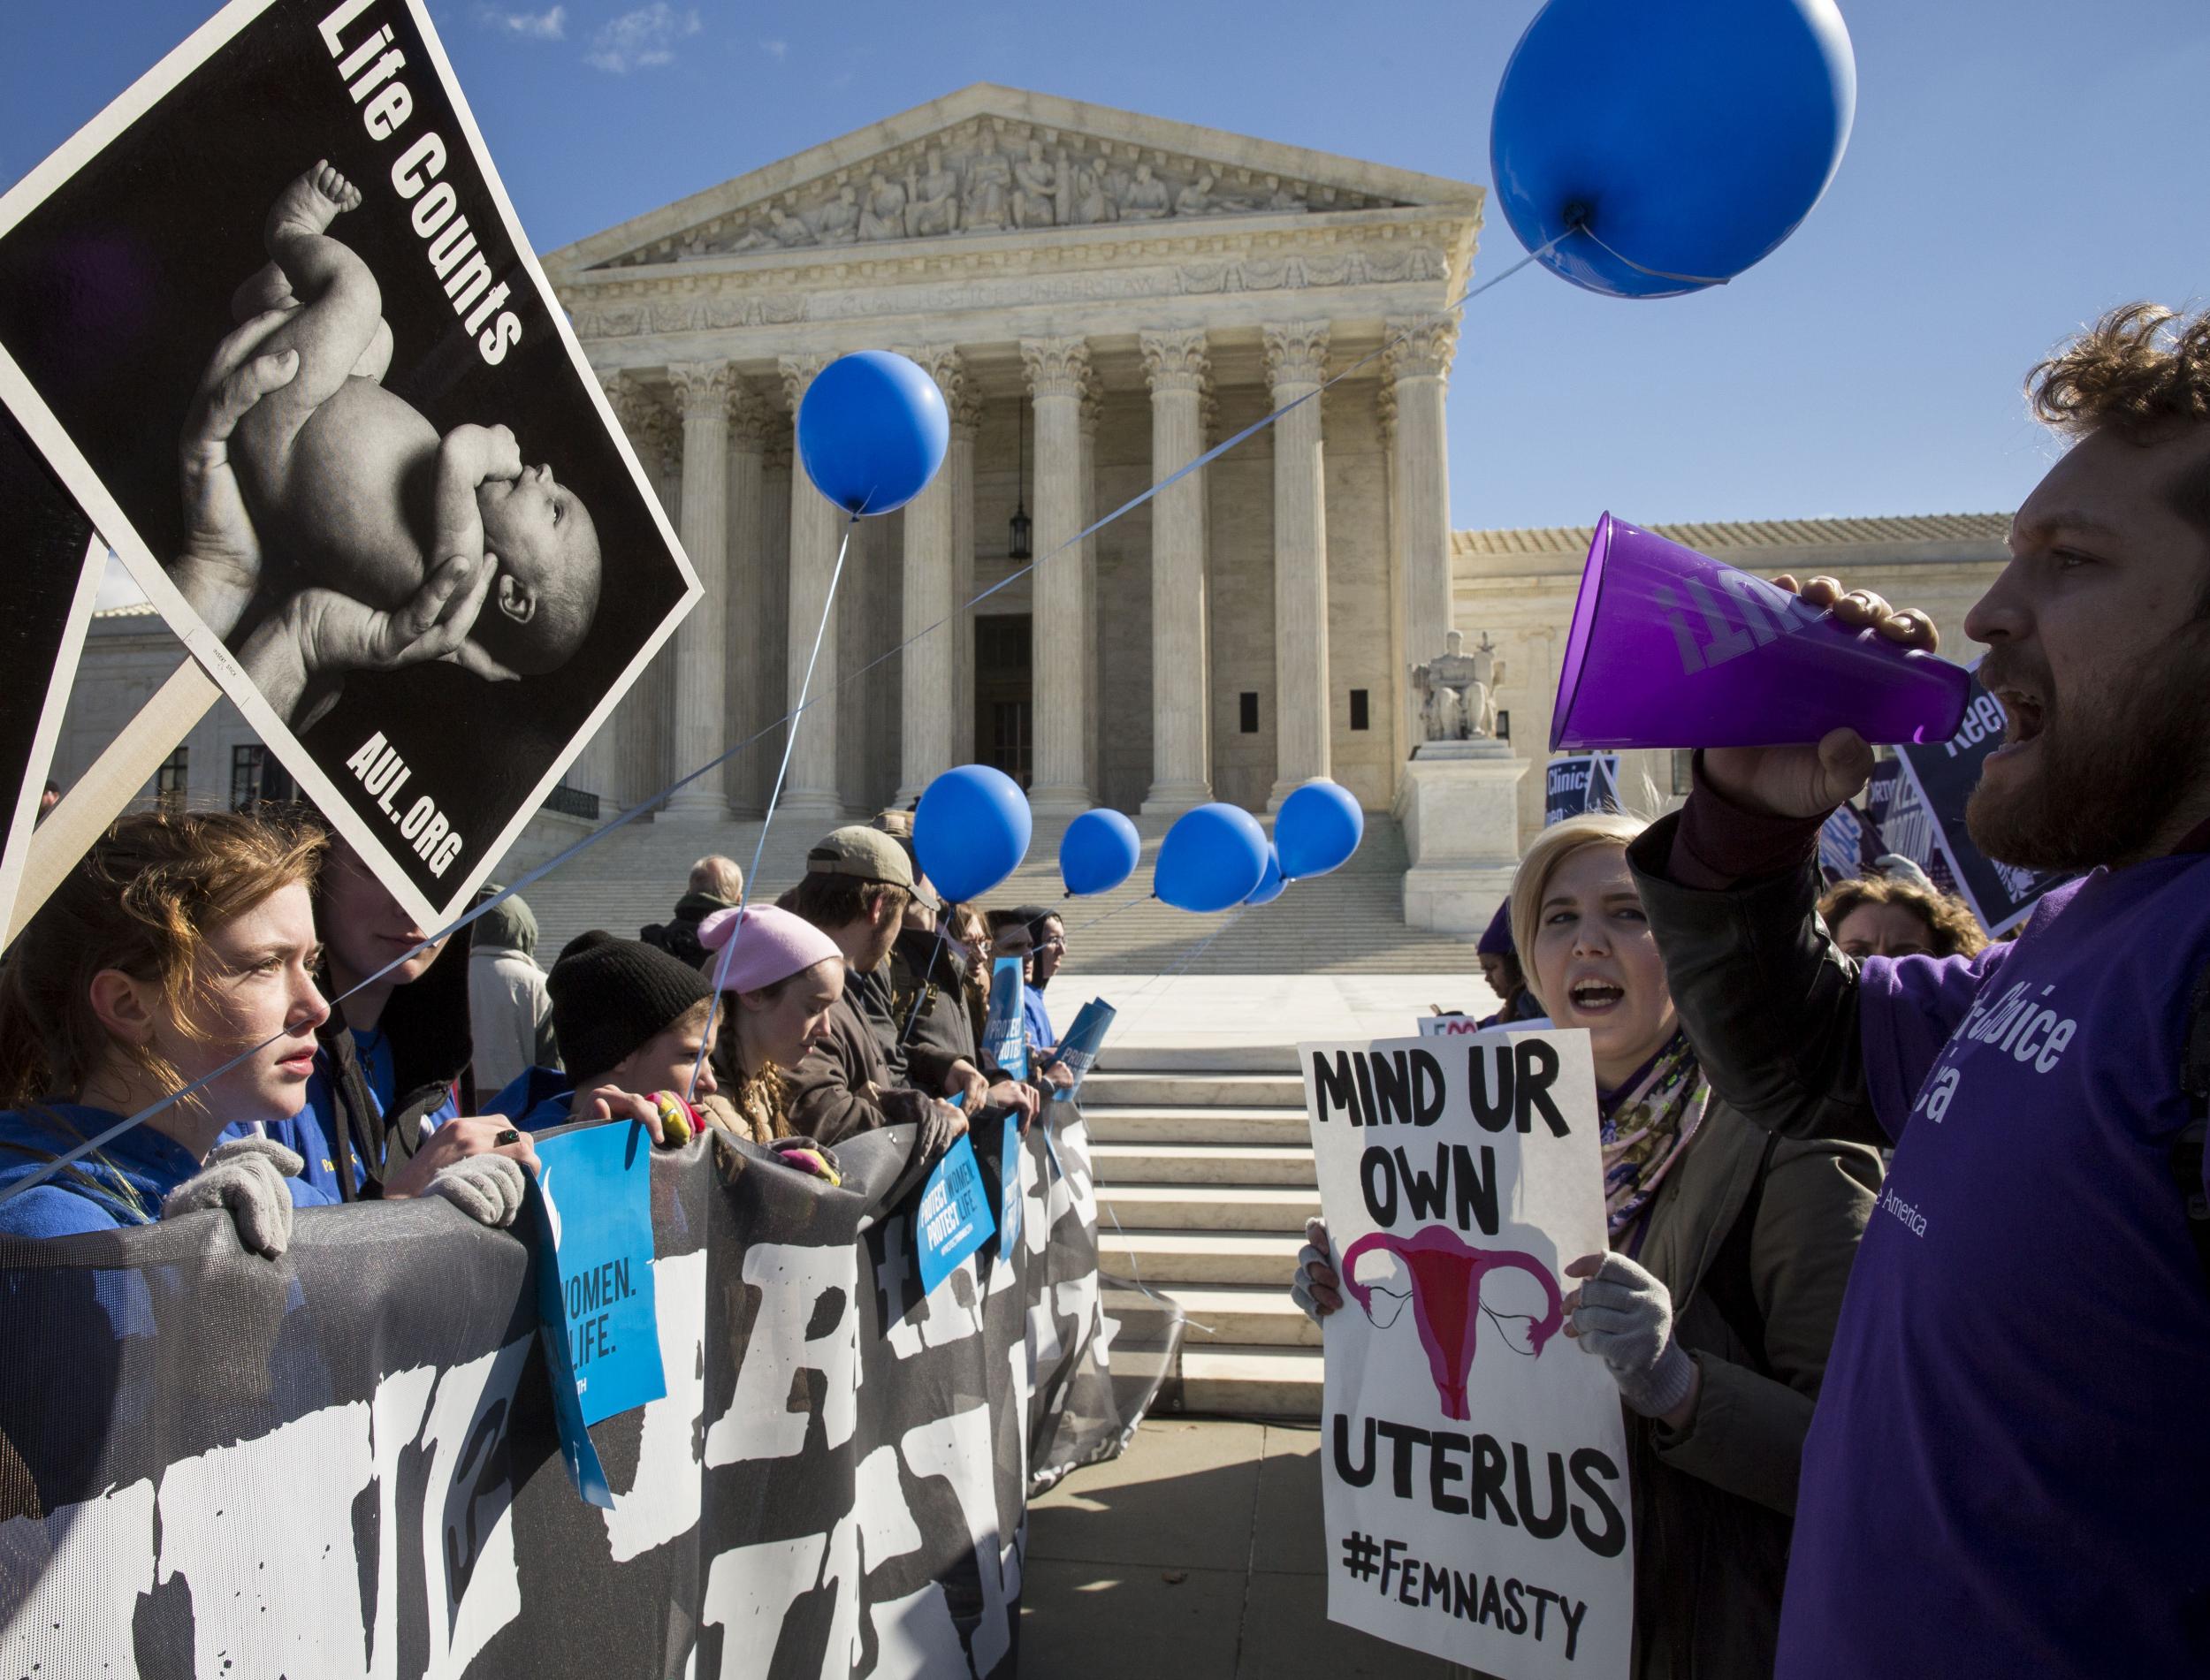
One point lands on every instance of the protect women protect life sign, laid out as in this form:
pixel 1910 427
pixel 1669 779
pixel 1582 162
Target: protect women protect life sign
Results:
pixel 1473 1459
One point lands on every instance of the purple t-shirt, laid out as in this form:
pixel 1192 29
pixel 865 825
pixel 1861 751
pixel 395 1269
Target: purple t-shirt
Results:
pixel 2009 1473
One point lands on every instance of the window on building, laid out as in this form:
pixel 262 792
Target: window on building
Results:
pixel 1359 717
pixel 245 776
pixel 1683 771
pixel 1504 722
pixel 171 781
pixel 1247 713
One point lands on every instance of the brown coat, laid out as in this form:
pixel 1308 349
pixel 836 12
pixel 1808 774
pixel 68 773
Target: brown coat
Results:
pixel 1754 1237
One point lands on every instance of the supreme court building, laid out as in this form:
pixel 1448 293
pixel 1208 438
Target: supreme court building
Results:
pixel 1100 296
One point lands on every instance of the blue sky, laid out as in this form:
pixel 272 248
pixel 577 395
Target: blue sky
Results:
pixel 2018 166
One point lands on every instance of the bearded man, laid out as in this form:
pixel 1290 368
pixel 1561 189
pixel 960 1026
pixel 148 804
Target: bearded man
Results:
pixel 2006 1472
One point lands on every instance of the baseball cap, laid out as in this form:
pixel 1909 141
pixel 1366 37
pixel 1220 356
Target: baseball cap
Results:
pixel 868 854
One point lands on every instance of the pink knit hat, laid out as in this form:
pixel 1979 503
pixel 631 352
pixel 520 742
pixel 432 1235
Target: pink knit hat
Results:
pixel 772 945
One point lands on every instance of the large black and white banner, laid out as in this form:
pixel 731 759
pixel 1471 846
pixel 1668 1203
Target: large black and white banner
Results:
pixel 55 566
pixel 344 1464
pixel 412 544
pixel 1473 1459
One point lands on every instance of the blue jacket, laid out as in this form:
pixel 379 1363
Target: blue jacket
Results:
pixel 310 1131
pixel 537 1100
pixel 123 1182
pixel 1040 1036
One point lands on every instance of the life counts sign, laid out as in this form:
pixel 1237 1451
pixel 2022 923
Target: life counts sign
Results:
pixel 1473 1459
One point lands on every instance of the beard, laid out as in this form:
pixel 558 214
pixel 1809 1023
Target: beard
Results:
pixel 2113 769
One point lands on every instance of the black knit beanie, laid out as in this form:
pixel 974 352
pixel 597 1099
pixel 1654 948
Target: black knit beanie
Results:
pixel 610 996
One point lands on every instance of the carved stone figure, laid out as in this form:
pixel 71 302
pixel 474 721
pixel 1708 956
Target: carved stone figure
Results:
pixel 1457 691
pixel 754 238
pixel 1091 203
pixel 788 230
pixel 1145 199
pixel 1035 189
pixel 932 201
pixel 1196 198
pixel 989 192
pixel 837 222
pixel 883 216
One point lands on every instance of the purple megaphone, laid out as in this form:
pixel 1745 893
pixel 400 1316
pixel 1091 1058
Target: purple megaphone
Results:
pixel 1446 1277
pixel 1671 648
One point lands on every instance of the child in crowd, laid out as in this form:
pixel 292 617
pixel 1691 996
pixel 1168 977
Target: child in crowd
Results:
pixel 781 976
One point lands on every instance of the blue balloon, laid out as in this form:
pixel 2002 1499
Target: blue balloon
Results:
pixel 872 431
pixel 1211 858
pixel 1317 829
pixel 1098 852
pixel 1272 885
pixel 1689 137
pixel 972 831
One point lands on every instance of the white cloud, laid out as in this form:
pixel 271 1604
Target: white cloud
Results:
pixel 776 49
pixel 640 39
pixel 530 25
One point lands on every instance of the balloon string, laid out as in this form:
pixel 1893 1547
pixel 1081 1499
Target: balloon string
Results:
pixel 774 798
pixel 1588 232
pixel 1182 967
pixel 569 854
pixel 1141 898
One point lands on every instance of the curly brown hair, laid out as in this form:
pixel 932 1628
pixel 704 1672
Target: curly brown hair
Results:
pixel 143 900
pixel 1952 929
pixel 2142 370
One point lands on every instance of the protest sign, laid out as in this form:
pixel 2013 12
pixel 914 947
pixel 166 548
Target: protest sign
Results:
pixel 954 1220
pixel 1009 1194
pixel 1458 1026
pixel 424 566
pixel 1939 778
pixel 1842 840
pixel 1005 1028
pixel 342 1463
pixel 1583 782
pixel 1474 1460
pixel 52 584
pixel 1079 1045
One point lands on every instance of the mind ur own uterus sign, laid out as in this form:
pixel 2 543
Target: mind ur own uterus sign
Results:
pixel 1473 1457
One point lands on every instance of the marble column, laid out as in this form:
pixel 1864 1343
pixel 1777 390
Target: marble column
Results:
pixel 769 687
pixel 1296 366
pixel 637 761
pixel 1092 406
pixel 817 527
pixel 1418 367
pixel 1175 366
pixel 966 423
pixel 703 393
pixel 751 570
pixel 926 691
pixel 1058 373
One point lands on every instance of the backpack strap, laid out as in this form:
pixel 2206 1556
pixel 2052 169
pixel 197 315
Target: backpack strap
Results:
pixel 2187 1148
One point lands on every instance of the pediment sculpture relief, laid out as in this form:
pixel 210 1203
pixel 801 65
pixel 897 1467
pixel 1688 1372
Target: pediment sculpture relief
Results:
pixel 991 182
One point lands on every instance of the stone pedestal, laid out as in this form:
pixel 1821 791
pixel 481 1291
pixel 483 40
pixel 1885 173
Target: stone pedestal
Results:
pixel 1460 806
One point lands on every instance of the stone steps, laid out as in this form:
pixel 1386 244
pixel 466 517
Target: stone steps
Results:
pixel 1210 1207
pixel 1204 1166
pixel 1205 1179
pixel 1220 1125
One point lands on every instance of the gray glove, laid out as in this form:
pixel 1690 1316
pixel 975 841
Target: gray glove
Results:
pixel 486 1187
pixel 246 1177
pixel 1625 1317
pixel 1300 1284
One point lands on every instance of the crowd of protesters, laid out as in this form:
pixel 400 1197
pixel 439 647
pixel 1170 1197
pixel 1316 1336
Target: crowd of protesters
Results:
pixel 317 1047
pixel 1907 1288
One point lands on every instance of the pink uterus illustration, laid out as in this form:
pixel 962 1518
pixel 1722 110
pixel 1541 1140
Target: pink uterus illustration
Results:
pixel 1446 1277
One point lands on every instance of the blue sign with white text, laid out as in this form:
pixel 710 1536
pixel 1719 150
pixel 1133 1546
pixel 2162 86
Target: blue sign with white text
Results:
pixel 596 1185
pixel 1008 1197
pixel 954 1218
pixel 1005 1032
